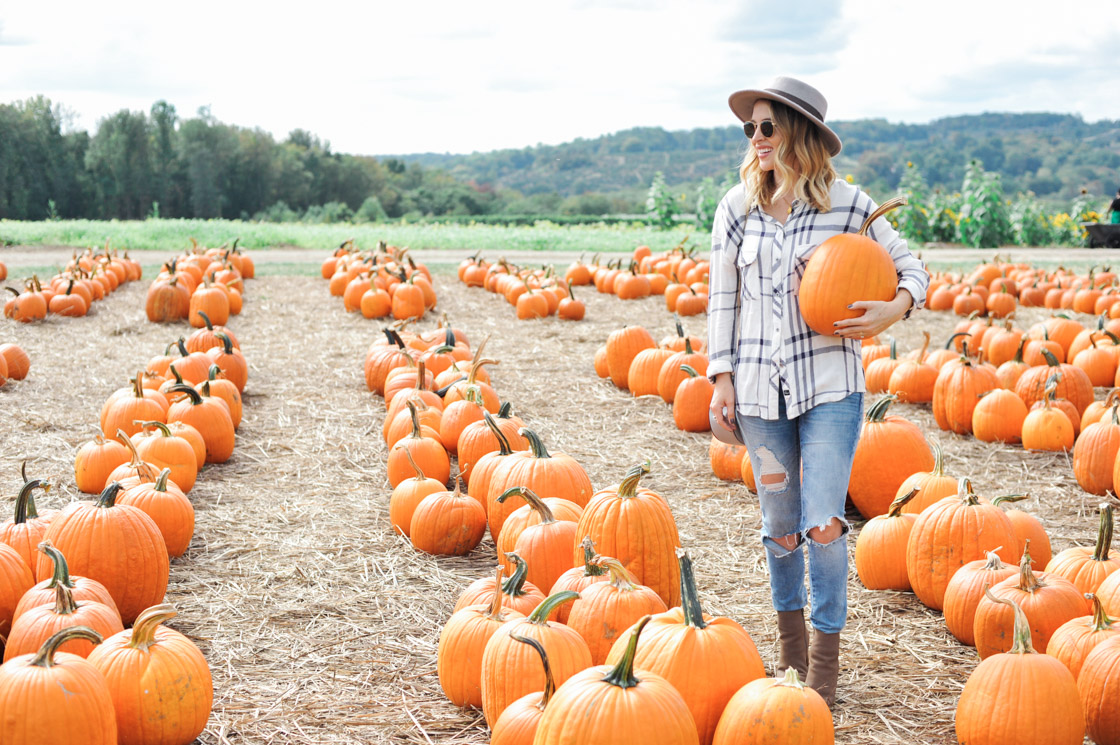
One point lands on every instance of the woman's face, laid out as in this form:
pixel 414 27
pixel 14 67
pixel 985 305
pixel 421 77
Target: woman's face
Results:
pixel 766 148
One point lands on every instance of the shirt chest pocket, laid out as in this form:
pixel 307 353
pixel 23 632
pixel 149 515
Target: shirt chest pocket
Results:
pixel 750 276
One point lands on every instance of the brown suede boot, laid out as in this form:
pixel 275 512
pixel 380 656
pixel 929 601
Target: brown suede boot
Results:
pixel 824 665
pixel 794 640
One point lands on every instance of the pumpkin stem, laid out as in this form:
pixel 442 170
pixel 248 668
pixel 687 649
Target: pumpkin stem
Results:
pixel 629 485
pixel 1101 621
pixel 590 568
pixel 412 461
pixel 503 441
pixel 161 480
pixel 514 585
pixel 191 393
pixel 45 656
pixel 64 604
pixel 108 497
pixel 884 208
pixel 620 578
pixel 544 609
pixel 145 625
pixel 878 410
pixel 25 501
pixel 1028 581
pixel 690 598
pixel 536 504
pixel 61 573
pixel 535 444
pixel 1021 633
pixel 622 675
pixel 895 508
pixel 495 611
pixel 549 681
pixel 791 679
pixel 1104 534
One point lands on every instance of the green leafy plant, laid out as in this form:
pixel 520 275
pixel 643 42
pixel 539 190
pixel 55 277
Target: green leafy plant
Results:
pixel 984 221
pixel 660 205
pixel 707 200
pixel 1029 222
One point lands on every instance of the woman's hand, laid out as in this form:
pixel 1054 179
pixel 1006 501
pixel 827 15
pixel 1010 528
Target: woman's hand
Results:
pixel 877 316
pixel 723 401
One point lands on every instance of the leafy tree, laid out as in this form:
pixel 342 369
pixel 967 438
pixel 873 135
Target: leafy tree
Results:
pixel 984 221
pixel 119 161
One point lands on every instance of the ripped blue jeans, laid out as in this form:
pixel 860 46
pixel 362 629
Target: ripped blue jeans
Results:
pixel 801 469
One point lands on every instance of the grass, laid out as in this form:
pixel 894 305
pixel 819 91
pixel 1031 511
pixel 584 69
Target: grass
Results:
pixel 176 235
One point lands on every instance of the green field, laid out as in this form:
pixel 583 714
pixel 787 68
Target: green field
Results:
pixel 175 235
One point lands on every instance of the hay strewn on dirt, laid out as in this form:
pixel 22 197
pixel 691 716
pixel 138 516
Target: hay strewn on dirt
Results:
pixel 321 626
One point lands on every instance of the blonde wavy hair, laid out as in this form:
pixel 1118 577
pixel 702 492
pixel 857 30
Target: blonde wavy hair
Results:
pixel 802 160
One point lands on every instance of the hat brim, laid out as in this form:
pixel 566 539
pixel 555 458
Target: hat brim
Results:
pixel 742 104
pixel 726 436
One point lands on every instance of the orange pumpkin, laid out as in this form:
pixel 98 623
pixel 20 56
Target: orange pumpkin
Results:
pixel 890 450
pixel 605 610
pixel 843 269
pixel 880 555
pixel 1072 642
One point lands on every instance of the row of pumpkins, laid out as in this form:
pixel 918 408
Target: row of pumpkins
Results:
pixel 534 293
pixel 675 275
pixel 104 565
pixel 87 278
pixel 380 283
pixel 518 647
pixel 203 286
pixel 997 288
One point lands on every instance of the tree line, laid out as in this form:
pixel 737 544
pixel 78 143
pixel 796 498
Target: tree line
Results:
pixel 140 164
pixel 143 164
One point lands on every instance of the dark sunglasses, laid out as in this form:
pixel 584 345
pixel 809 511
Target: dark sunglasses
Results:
pixel 766 126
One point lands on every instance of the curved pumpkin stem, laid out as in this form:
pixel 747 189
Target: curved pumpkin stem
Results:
pixel 145 625
pixel 544 609
pixel 64 604
pixel 549 681
pixel 690 598
pixel 45 656
pixel 1101 621
pixel 629 485
pixel 620 579
pixel 503 441
pixel 108 497
pixel 895 508
pixel 1021 634
pixel 884 208
pixel 878 410
pixel 61 573
pixel 536 504
pixel 535 445
pixel 25 501
pixel 622 675
pixel 514 585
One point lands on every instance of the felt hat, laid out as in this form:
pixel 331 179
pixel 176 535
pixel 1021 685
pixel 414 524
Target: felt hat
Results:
pixel 799 96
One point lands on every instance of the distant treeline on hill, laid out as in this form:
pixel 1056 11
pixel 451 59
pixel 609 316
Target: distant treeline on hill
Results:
pixel 139 164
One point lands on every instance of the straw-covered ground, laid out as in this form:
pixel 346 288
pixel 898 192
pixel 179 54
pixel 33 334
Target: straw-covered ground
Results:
pixel 320 625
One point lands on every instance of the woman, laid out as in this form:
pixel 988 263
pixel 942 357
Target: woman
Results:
pixel 795 397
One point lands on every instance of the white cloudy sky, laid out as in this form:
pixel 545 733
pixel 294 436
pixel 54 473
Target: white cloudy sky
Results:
pixel 432 75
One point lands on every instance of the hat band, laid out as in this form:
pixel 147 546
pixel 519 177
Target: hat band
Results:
pixel 800 102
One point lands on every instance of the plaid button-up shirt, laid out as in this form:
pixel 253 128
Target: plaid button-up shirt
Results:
pixel 755 273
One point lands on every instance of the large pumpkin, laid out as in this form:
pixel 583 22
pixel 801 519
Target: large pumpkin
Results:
pixel 56 698
pixel 890 449
pixel 1020 696
pixel 773 710
pixel 617 704
pixel 843 269
pixel 951 533
pixel 117 545
pixel 636 527
pixel 706 658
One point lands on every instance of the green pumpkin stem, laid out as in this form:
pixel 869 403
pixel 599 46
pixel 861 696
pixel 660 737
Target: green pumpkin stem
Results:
pixel 622 674
pixel 590 568
pixel 25 501
pixel 536 504
pixel 628 487
pixel 61 573
pixel 45 656
pixel 535 444
pixel 545 608
pixel 164 430
pixel 514 585
pixel 791 679
pixel 690 598
pixel 878 410
pixel 503 441
pixel 188 390
pixel 108 497
pixel 64 604
pixel 1101 621
pixel 549 680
